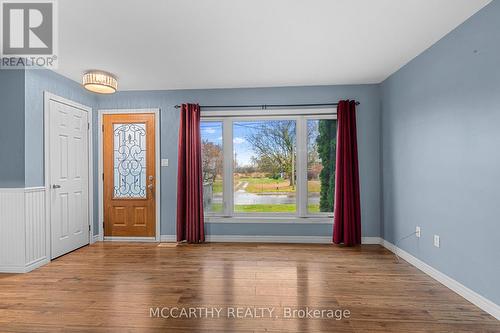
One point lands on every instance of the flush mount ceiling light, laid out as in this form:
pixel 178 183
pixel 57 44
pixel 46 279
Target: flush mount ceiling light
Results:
pixel 100 82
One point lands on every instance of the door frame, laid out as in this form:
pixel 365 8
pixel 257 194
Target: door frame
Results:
pixel 47 97
pixel 102 112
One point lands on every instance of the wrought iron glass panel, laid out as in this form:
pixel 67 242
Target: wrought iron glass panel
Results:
pixel 129 160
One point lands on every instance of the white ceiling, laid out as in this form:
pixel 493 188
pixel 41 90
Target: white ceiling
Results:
pixel 177 44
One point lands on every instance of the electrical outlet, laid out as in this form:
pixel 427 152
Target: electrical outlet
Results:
pixel 417 232
pixel 436 240
pixel 164 162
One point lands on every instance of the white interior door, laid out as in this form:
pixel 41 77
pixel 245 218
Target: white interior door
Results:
pixel 69 177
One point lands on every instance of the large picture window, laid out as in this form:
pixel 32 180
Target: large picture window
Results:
pixel 264 166
pixel 269 166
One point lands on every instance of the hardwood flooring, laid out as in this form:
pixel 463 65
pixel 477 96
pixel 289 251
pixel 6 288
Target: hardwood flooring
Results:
pixel 110 287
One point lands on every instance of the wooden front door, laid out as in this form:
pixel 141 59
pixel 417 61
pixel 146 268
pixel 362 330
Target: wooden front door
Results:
pixel 129 175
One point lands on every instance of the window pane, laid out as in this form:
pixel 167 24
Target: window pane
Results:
pixel 264 166
pixel 321 145
pixel 212 165
pixel 129 160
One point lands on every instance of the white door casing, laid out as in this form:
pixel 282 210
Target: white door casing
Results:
pixel 68 177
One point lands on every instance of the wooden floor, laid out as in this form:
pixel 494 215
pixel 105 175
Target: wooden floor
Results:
pixel 110 287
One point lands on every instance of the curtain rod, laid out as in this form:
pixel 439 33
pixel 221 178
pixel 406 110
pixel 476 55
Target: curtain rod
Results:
pixel 264 106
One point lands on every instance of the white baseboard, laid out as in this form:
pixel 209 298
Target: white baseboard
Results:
pixel 470 295
pixel 282 239
pixel 267 239
pixel 95 238
pixel 36 264
pixel 130 239
pixel 371 240
pixel 12 269
pixel 24 269
pixel 271 239
pixel 168 238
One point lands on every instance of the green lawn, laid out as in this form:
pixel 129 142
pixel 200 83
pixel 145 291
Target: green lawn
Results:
pixel 266 185
pixel 217 186
pixel 269 185
pixel 216 207
pixel 313 208
pixel 262 180
pixel 284 208
pixel 313 186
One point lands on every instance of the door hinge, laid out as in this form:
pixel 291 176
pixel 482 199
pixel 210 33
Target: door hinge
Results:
pixel 88 126
pixel 89 227
pixel 103 176
pixel 103 127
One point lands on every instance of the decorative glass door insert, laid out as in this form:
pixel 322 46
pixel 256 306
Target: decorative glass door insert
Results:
pixel 129 160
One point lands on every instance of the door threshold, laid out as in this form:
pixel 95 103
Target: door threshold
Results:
pixel 130 239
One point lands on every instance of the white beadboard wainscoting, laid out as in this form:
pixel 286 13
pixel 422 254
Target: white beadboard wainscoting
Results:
pixel 23 229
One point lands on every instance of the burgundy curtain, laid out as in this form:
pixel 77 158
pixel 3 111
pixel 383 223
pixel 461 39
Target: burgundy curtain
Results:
pixel 190 223
pixel 347 215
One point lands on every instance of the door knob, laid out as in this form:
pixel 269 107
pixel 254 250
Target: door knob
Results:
pixel 56 186
pixel 151 189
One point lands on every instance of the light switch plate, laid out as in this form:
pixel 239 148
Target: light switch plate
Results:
pixel 164 162
pixel 436 240
pixel 417 232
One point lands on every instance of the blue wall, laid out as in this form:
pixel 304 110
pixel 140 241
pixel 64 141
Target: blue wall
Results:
pixel 37 81
pixel 12 128
pixel 369 146
pixel 441 154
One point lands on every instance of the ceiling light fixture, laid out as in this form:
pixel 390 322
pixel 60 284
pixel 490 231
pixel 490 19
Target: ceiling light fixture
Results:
pixel 100 82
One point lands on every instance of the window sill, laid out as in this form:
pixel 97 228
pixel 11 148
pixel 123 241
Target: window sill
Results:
pixel 270 219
